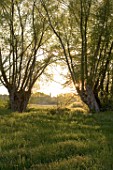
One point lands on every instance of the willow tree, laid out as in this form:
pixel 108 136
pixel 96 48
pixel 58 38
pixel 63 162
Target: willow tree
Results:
pixel 95 23
pixel 84 31
pixel 22 38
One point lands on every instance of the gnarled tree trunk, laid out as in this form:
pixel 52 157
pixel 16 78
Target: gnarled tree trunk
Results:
pixel 90 98
pixel 19 100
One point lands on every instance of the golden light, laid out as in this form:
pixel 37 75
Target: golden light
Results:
pixel 52 87
pixel 55 86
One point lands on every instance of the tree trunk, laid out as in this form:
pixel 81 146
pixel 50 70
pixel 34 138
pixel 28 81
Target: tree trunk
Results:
pixel 19 100
pixel 91 99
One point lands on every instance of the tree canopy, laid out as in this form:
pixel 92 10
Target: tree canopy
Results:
pixel 23 32
pixel 84 31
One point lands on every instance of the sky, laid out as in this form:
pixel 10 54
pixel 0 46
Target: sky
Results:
pixel 53 86
pixel 3 90
pixel 52 89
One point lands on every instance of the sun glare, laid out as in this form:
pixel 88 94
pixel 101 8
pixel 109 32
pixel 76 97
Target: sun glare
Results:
pixel 52 87
pixel 55 86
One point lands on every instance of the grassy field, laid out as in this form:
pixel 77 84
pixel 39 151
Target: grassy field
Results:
pixel 41 139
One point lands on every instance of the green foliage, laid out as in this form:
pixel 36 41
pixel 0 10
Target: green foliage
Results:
pixel 107 104
pixel 84 32
pixel 42 99
pixel 67 99
pixel 38 140
pixel 23 33
pixel 4 101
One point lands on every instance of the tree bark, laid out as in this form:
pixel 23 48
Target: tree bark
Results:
pixel 91 99
pixel 19 100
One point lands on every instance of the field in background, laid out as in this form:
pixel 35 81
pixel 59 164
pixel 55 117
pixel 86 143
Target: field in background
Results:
pixel 48 138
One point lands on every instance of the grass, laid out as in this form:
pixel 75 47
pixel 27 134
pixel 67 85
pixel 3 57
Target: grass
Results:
pixel 39 140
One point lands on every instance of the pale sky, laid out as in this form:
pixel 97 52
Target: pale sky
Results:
pixel 55 86
pixel 3 90
pixel 52 87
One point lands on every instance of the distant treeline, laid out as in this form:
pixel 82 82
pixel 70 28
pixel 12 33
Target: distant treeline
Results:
pixel 37 98
pixel 44 99
pixel 4 97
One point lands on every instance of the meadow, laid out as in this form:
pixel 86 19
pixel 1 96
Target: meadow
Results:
pixel 44 139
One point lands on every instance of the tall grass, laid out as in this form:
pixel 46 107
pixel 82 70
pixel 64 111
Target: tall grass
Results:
pixel 39 140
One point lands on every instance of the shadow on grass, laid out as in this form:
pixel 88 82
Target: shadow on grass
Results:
pixel 38 139
pixel 102 132
pixel 5 111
